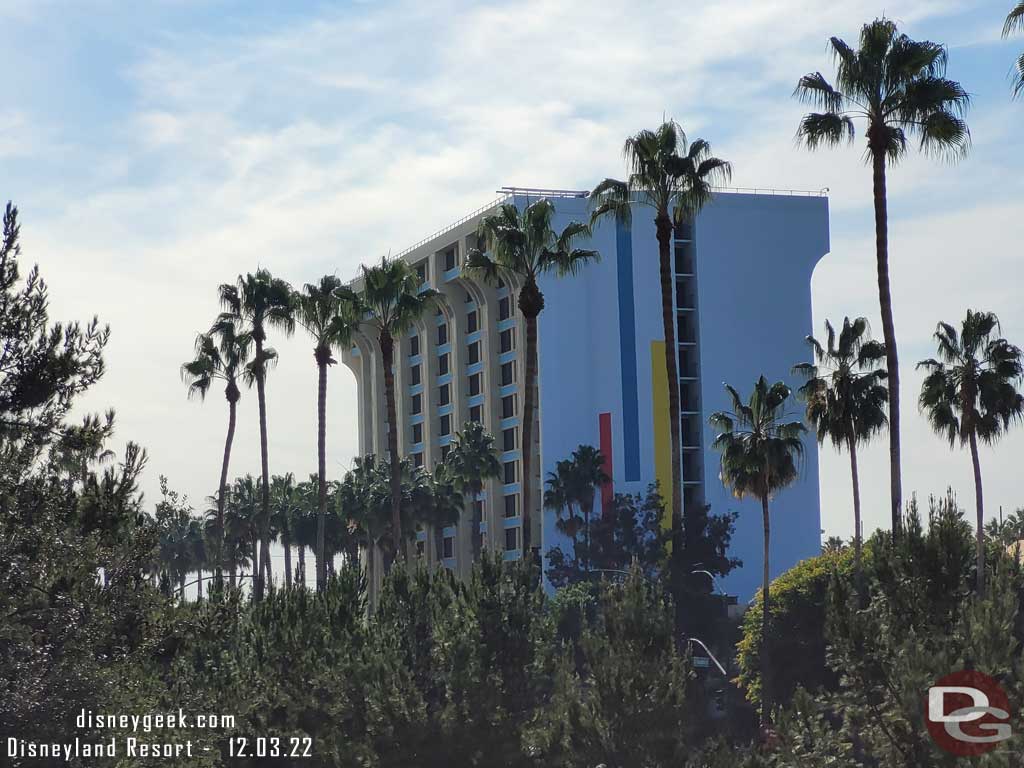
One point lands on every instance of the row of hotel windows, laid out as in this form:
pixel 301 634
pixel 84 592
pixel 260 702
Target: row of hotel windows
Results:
pixel 472 358
pixel 448 544
pixel 444 395
pixel 506 338
pixel 509 437
pixel 508 402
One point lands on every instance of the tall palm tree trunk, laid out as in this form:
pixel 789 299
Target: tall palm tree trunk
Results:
pixel 387 348
pixel 587 510
pixel 475 525
pixel 255 573
pixel 439 544
pixel 766 661
pixel 268 566
pixel 676 566
pixel 302 565
pixel 531 302
pixel 199 585
pixel 889 333
pixel 321 463
pixel 980 510
pixel 857 542
pixel 232 398
pixel 286 542
pixel 261 396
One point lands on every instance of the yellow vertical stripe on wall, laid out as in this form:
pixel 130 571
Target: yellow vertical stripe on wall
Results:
pixel 662 435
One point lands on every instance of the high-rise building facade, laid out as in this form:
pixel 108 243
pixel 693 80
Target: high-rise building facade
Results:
pixel 742 274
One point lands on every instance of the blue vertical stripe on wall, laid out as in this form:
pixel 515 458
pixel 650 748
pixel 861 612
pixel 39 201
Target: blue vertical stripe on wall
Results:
pixel 627 352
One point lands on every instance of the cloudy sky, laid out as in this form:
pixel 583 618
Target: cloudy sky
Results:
pixel 157 149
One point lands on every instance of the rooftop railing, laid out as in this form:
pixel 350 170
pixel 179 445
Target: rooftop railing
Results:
pixel 506 192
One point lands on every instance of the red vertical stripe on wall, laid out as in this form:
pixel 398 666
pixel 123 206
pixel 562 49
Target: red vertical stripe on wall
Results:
pixel 608 489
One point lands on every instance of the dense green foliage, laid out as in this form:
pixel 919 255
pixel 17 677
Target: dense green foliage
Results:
pixel 798 649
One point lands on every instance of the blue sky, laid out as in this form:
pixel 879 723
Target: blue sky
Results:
pixel 158 149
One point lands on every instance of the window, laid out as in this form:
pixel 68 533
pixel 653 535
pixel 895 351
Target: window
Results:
pixel 511 539
pixel 448 547
pixel 504 308
pixel 508 373
pixel 508 339
pixel 478 511
pixel 446 424
pixel 417 404
pixel 474 352
pixel 449 259
pixel 444 394
pixel 474 384
pixel 508 439
pixel 508 406
pixel 421 270
pixel 417 459
pixel 442 364
pixel 476 414
pixel 445 450
pixel 414 375
pixel 442 334
pixel 511 505
pixel 417 432
pixel 472 321
pixel 414 345
pixel 511 472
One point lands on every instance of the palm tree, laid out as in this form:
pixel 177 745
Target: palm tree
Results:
pixel 330 313
pixel 391 297
pixel 675 178
pixel 833 545
pixel 970 393
pixel 473 460
pixel 286 502
pixel 445 506
pixel 199 556
pixel 242 519
pixel 589 476
pixel 1015 23
pixel 760 451
pixel 263 301
pixel 306 524
pixel 561 496
pixel 898 86
pixel 522 247
pixel 221 354
pixel 846 396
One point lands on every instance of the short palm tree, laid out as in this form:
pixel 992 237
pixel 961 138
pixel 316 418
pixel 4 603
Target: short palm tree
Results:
pixel 1015 23
pixel 392 300
pixel 329 311
pixel 243 524
pixel 263 302
pixel 898 86
pixel 561 497
pixel 760 452
pixel 446 505
pixel 674 178
pixel 221 354
pixel 970 393
pixel 520 247
pixel 846 397
pixel 588 469
pixel 285 505
pixel 833 545
pixel 473 460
